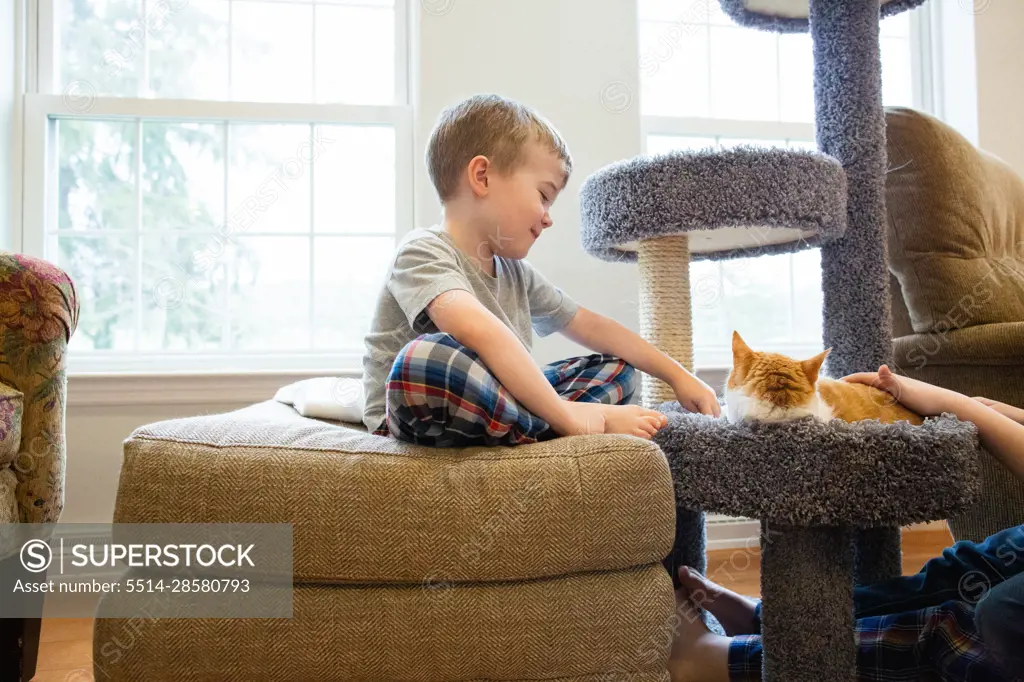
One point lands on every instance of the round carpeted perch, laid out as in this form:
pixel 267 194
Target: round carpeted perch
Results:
pixel 791 16
pixel 734 203
pixel 813 473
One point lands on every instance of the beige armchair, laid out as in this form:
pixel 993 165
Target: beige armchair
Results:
pixel 956 244
pixel 540 561
pixel 38 314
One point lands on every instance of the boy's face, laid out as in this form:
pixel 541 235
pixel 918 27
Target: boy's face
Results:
pixel 518 204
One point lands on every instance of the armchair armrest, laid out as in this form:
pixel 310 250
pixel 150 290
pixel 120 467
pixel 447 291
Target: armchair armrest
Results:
pixel 984 344
pixel 38 314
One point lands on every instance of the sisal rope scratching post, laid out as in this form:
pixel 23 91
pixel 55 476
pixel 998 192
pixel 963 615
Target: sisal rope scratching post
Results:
pixel 666 321
pixel 665 316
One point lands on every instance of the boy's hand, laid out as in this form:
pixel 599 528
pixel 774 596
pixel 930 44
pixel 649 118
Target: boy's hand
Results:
pixel 696 396
pixel 632 420
pixel 923 398
pixel 1014 413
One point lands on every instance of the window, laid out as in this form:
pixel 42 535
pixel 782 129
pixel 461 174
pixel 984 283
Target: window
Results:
pixel 706 82
pixel 223 179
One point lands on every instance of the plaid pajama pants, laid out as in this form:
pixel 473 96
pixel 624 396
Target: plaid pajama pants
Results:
pixel 929 626
pixel 439 393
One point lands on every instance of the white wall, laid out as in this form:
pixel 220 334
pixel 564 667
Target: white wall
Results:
pixel 1000 76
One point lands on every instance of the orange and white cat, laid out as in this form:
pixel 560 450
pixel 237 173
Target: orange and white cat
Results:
pixel 771 387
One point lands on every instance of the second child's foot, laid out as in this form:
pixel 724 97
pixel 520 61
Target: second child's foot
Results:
pixel 734 611
pixel 697 654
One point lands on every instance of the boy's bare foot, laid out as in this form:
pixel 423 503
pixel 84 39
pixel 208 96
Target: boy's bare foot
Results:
pixel 734 611
pixel 633 420
pixel 697 654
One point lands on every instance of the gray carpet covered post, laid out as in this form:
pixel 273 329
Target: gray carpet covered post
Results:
pixel 807 634
pixel 857 321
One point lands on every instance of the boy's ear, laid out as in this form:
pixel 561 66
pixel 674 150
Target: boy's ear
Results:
pixel 812 366
pixel 478 172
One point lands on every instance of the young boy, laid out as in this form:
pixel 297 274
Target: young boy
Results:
pixel 447 359
pixel 919 627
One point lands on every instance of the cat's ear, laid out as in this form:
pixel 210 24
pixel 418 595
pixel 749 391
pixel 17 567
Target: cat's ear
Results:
pixel 812 366
pixel 740 349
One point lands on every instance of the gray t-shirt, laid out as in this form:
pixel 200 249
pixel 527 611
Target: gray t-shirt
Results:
pixel 427 263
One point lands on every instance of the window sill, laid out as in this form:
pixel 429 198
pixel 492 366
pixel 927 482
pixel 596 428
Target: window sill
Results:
pixel 219 388
pixel 210 388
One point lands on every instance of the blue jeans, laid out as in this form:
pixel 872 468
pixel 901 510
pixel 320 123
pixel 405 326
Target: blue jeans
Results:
pixel 987 577
pixel 999 617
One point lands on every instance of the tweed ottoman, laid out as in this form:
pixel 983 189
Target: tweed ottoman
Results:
pixel 541 561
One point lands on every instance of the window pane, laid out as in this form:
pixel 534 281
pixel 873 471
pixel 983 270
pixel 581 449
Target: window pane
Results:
pixel 182 176
pixel 96 186
pixel 898 25
pixel 188 51
pixel 807 296
pixel 796 74
pixel 660 144
pixel 349 274
pixel 757 298
pixel 354 179
pixel 744 64
pixel 269 178
pixel 100 49
pixel 271 51
pixel 269 293
pixel 897 82
pixel 675 11
pixel 674 69
pixel 707 302
pixel 805 145
pixel 183 287
pixel 103 269
pixel 355 55
pixel 716 15
pixel 730 142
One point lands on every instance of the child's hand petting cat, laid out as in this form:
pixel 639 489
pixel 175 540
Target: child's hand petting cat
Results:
pixel 696 396
pixel 923 398
pixel 1014 413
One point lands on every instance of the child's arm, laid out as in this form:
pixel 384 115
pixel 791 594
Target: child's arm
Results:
pixel 999 434
pixel 602 334
pixel 1014 413
pixel 459 313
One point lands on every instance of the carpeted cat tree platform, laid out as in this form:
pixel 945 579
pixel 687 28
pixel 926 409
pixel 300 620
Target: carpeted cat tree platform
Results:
pixel 831 497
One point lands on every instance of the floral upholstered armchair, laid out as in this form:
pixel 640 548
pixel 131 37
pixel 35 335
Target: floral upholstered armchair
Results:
pixel 38 314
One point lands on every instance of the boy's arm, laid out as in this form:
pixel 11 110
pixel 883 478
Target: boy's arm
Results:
pixel 460 314
pixel 999 434
pixel 602 334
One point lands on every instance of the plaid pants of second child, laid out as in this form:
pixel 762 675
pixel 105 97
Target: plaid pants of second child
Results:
pixel 439 393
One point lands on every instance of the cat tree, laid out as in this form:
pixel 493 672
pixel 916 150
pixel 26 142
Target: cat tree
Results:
pixel 830 497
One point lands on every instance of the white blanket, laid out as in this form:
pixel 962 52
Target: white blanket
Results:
pixel 339 398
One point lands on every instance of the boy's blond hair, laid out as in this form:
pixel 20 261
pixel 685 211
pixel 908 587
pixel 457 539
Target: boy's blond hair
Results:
pixel 492 126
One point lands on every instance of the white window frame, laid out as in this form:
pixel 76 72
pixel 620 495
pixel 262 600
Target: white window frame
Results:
pixel 923 43
pixel 34 205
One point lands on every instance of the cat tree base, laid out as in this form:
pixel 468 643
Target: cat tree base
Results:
pixel 831 498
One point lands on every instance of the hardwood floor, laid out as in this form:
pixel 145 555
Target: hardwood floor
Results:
pixel 65 651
